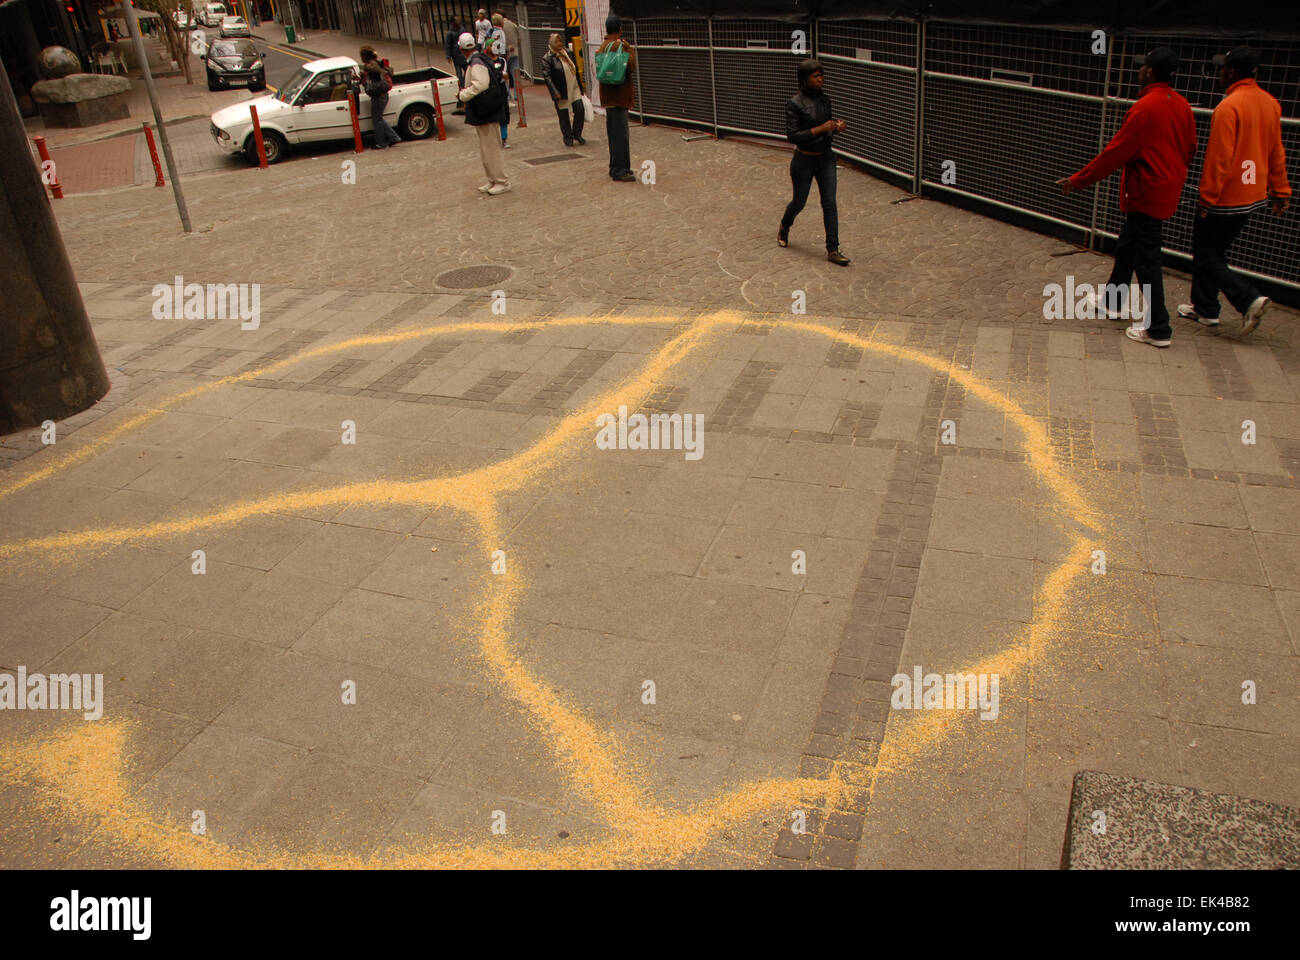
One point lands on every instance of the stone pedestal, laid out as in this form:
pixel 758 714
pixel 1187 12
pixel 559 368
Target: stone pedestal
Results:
pixel 82 99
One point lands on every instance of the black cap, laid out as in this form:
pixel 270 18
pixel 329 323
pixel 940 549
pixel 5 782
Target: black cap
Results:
pixel 807 68
pixel 1162 60
pixel 1242 59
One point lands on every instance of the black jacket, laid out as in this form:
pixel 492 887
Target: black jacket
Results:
pixel 490 106
pixel 553 75
pixel 802 113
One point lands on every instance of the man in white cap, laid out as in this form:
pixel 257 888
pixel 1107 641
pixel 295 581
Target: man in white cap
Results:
pixel 486 109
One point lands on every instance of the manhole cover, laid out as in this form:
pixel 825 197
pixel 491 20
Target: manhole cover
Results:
pixel 467 278
pixel 535 161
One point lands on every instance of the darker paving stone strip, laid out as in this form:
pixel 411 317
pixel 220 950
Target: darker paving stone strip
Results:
pixel 849 729
pixel 291 342
pixel 1160 445
pixel 492 386
pixel 846 356
pixel 739 404
pixel 1071 441
pixel 570 380
pixel 340 371
pixel 209 360
pixel 1028 355
pixel 665 398
pixel 175 338
pixel 856 419
pixel 1101 345
pixel 1223 371
pixel 403 373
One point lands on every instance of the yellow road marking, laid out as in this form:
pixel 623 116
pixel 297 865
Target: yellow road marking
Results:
pixel 82 767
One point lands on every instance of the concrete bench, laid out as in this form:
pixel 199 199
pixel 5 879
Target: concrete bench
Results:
pixel 1159 826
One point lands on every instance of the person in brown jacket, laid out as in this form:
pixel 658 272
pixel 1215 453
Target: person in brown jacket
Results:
pixel 617 99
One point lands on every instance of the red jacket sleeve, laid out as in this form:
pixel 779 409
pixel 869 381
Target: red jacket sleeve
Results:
pixel 1122 148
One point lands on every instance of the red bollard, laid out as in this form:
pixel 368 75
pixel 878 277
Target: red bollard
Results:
pixel 437 109
pixel 153 154
pixel 56 188
pixel 523 114
pixel 257 136
pixel 356 123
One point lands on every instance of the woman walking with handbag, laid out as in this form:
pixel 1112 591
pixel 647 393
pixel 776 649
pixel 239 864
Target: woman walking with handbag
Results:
pixel 561 77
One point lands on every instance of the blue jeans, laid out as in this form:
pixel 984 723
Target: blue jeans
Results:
pixel 385 135
pixel 803 170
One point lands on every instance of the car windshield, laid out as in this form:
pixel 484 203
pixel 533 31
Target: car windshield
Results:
pixel 290 90
pixel 232 48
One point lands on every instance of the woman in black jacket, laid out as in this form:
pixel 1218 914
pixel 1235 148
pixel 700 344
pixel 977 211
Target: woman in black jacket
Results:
pixel 810 126
pixel 561 76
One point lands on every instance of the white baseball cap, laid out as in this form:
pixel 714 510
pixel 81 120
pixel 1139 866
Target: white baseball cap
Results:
pixel 466 41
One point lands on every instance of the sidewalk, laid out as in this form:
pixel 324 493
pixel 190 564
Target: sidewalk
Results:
pixel 680 659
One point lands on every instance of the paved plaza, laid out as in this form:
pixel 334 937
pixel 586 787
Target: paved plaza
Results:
pixel 438 624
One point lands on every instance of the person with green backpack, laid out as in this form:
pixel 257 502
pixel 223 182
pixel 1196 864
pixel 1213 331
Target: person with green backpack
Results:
pixel 615 65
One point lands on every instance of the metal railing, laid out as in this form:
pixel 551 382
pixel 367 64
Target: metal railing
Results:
pixel 986 114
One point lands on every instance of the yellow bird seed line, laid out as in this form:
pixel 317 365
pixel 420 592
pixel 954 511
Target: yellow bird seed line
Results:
pixel 83 768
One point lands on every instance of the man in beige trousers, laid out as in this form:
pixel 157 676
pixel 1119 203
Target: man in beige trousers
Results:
pixel 486 109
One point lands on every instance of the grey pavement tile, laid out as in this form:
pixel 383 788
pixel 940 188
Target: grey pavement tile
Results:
pixel 1243 762
pixel 921 822
pixel 1207 553
pixel 1214 614
pixel 35 628
pixel 1210 685
pixel 1063 739
pixel 339 554
pixel 758 557
pixel 1002 588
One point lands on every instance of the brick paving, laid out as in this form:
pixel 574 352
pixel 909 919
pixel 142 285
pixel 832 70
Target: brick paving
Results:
pixel 645 565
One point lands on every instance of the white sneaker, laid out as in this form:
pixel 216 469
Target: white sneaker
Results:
pixel 1188 312
pixel 486 187
pixel 1141 336
pixel 1098 308
pixel 505 144
pixel 498 189
pixel 1254 313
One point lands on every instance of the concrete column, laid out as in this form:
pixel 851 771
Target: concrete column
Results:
pixel 50 366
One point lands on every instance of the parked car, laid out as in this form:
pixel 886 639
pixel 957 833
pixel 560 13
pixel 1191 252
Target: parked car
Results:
pixel 181 19
pixel 234 27
pixel 234 63
pixel 313 107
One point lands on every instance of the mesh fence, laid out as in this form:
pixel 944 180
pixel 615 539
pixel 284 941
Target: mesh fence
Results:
pixel 996 114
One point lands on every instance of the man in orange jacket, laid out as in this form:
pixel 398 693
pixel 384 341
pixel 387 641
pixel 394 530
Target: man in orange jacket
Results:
pixel 1244 171
pixel 1154 145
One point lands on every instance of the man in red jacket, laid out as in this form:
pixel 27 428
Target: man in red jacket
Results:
pixel 1154 145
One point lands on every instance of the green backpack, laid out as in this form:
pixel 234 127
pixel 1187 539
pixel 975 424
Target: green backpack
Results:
pixel 611 65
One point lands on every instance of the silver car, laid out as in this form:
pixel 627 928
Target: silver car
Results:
pixel 234 27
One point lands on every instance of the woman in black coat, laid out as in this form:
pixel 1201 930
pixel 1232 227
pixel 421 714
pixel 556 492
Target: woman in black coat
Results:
pixel 562 79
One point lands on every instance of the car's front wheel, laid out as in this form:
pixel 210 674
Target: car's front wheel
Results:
pixel 273 143
pixel 212 82
pixel 258 82
pixel 416 123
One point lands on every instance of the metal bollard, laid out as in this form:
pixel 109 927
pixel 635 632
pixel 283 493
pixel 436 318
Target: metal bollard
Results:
pixel 56 188
pixel 356 123
pixel 257 136
pixel 437 110
pixel 523 114
pixel 153 154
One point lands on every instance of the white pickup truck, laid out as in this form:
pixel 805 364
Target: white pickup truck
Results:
pixel 313 106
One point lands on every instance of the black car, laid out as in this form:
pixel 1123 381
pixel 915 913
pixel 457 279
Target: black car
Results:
pixel 233 62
